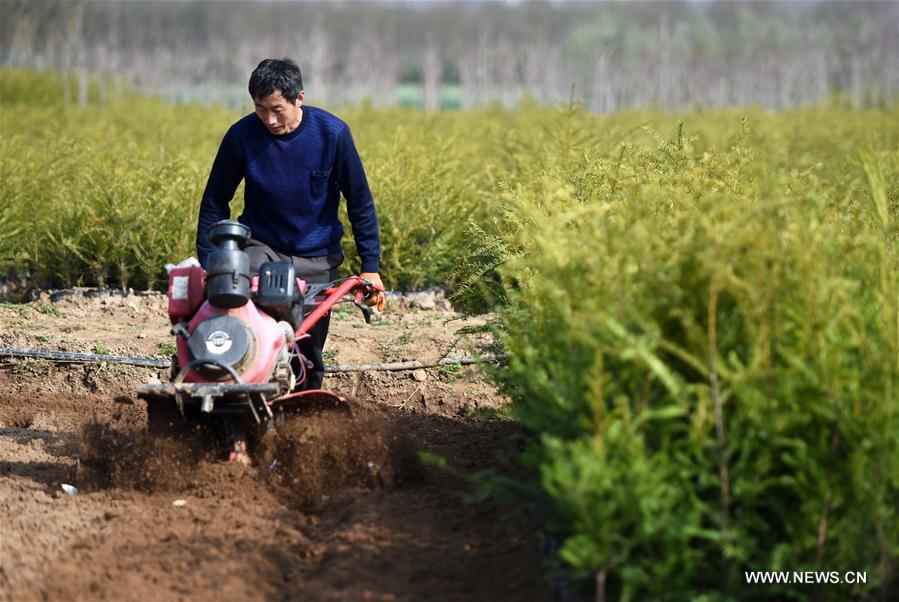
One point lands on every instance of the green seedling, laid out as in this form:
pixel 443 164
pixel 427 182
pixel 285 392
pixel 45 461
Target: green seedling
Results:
pixel 48 309
pixel 166 348
pixel 344 311
pixel 101 349
pixel 449 370
pixel 25 311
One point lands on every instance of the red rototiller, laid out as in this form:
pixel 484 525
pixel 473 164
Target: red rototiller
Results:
pixel 237 337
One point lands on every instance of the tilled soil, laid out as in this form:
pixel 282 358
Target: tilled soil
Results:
pixel 337 506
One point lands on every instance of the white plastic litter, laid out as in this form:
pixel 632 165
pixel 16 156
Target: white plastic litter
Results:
pixel 190 262
pixel 70 489
pixel 179 503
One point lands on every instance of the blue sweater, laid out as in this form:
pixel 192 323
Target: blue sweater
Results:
pixel 292 188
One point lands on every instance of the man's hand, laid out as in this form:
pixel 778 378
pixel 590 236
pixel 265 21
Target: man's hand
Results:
pixel 376 299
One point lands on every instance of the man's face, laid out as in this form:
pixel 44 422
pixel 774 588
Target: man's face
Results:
pixel 279 115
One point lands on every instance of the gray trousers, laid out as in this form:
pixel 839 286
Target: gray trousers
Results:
pixel 314 270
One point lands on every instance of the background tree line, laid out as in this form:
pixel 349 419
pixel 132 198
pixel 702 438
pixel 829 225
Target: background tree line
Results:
pixel 447 54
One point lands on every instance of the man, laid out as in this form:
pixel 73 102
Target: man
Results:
pixel 295 161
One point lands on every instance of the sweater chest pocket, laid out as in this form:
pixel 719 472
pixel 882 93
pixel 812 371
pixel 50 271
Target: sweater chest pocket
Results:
pixel 318 182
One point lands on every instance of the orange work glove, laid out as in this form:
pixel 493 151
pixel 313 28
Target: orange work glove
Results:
pixel 376 299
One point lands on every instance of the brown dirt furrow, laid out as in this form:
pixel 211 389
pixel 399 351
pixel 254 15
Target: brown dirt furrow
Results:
pixel 346 513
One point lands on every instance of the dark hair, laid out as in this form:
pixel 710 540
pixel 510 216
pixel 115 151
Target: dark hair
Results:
pixel 276 75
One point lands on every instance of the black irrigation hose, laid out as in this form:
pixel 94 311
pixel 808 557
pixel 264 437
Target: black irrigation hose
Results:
pixel 461 360
pixel 64 356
